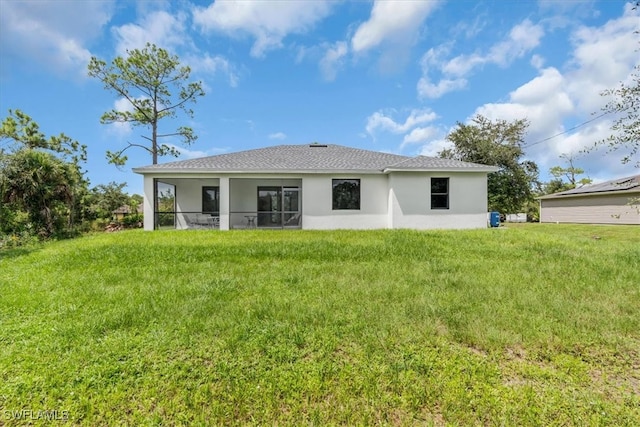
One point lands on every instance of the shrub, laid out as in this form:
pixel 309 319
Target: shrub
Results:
pixel 132 221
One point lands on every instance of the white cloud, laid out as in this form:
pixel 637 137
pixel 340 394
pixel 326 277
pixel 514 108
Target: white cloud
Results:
pixel 603 57
pixel 434 147
pixel 333 60
pixel 380 121
pixel 278 135
pixel 51 33
pixel 269 22
pixel 537 61
pixel 543 101
pixel 522 38
pixel 420 135
pixel 555 102
pixel 169 31
pixel 121 129
pixel 158 27
pixel 426 89
pixel 205 63
pixel 391 21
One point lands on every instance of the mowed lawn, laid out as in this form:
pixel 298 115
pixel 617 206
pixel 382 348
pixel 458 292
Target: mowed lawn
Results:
pixel 521 325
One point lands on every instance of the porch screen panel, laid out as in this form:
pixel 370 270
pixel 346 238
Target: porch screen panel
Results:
pixel 270 206
pixel 211 200
pixel 165 204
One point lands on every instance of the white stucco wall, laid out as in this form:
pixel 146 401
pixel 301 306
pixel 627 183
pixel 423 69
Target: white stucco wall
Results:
pixel 410 201
pixel 396 200
pixel 317 203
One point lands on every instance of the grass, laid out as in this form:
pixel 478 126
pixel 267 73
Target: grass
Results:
pixel 523 325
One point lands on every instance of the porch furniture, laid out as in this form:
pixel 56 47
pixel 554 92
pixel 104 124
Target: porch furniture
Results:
pixel 202 221
pixel 251 221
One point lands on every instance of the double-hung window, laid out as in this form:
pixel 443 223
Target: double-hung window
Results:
pixel 439 193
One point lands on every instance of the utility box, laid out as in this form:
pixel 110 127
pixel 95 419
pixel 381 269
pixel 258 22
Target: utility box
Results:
pixel 494 219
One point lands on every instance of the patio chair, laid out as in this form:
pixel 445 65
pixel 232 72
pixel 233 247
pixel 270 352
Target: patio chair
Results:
pixel 294 220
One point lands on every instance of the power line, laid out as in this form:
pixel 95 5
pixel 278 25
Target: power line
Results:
pixel 566 131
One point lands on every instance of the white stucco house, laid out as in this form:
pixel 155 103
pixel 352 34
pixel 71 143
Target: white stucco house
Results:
pixel 611 202
pixel 315 186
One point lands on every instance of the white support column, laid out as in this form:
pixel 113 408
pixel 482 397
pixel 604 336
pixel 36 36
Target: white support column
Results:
pixel 148 203
pixel 224 203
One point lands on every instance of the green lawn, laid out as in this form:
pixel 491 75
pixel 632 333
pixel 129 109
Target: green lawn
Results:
pixel 521 325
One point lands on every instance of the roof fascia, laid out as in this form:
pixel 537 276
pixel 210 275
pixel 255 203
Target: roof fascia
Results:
pixel 593 193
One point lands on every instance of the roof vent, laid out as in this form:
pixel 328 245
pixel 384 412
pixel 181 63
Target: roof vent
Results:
pixel 315 144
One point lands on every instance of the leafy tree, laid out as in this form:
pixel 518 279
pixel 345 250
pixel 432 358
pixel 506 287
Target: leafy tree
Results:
pixel 559 174
pixel 626 127
pixel 40 177
pixel 155 86
pixel 18 131
pixel 497 143
pixel 105 198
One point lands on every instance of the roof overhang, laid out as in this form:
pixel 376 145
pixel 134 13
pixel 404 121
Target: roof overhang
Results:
pixel 200 171
pixel 635 190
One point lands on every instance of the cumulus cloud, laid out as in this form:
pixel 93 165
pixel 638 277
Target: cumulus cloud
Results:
pixel 51 34
pixel 205 63
pixel 169 31
pixel 434 147
pixel 419 135
pixel 522 38
pixel 601 58
pixel 427 89
pixel 391 21
pixel 268 22
pixel 381 121
pixel 158 27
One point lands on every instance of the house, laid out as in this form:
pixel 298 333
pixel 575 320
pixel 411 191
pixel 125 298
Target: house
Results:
pixel 315 186
pixel 611 202
pixel 124 210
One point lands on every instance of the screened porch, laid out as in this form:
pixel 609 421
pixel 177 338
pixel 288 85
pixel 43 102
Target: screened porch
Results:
pixel 231 203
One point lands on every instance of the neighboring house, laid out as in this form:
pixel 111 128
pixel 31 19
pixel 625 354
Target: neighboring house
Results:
pixel 612 202
pixel 122 211
pixel 315 186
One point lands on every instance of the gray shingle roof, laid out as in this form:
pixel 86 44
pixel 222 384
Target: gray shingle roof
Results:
pixel 310 158
pixel 620 184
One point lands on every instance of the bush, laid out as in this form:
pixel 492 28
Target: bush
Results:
pixel 99 224
pixel 132 221
pixel 14 240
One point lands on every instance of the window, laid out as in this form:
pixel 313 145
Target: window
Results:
pixel 211 200
pixel 346 194
pixel 439 193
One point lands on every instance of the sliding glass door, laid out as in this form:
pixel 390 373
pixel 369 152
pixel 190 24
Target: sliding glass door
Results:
pixel 278 207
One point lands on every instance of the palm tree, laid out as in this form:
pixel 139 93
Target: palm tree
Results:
pixel 40 184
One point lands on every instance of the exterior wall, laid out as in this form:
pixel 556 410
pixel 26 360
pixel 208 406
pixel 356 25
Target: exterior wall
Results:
pixel 593 209
pixel 410 201
pixel 317 203
pixel 395 200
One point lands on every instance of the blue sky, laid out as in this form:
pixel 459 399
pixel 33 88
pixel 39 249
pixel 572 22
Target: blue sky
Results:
pixel 383 75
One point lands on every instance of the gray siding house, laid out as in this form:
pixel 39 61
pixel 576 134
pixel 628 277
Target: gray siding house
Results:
pixel 611 202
